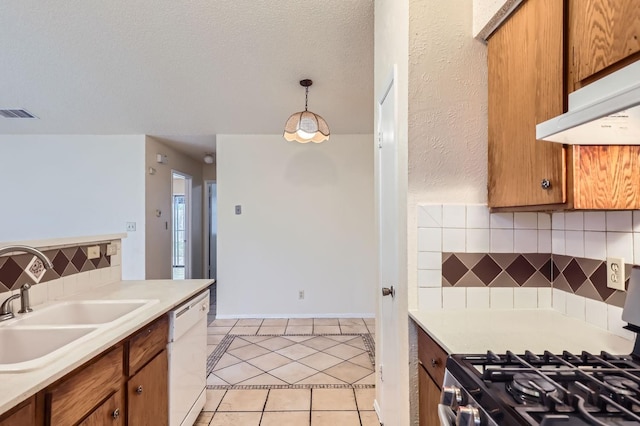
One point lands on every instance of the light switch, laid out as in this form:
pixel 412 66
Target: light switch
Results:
pixel 238 209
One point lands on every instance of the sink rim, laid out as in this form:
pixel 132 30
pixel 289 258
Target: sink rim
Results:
pixel 19 318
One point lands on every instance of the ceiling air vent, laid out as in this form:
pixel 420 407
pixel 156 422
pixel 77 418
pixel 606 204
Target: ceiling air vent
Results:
pixel 16 113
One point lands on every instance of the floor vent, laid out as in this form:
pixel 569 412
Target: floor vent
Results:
pixel 16 113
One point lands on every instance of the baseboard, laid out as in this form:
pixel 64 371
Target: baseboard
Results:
pixel 376 408
pixel 289 316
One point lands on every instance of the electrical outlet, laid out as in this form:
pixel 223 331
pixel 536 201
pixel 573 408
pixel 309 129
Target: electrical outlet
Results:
pixel 112 249
pixel 301 295
pixel 131 226
pixel 93 252
pixel 615 273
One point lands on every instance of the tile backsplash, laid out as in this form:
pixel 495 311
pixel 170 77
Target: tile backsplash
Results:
pixel 471 258
pixel 72 271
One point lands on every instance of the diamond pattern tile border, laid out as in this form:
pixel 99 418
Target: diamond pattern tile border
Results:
pixel 581 276
pixel 227 341
pixel 66 261
pixel 495 269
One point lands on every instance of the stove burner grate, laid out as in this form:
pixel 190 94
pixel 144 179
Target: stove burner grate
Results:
pixel 530 387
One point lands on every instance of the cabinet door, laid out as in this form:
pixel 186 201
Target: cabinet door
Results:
pixel 525 58
pixel 110 412
pixel 148 394
pixel 79 393
pixel 429 398
pixel 23 415
pixel 601 33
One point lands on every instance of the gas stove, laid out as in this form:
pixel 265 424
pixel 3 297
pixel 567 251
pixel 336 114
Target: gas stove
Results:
pixel 541 389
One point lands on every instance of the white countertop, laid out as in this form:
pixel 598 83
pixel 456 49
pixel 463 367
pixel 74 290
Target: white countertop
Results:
pixel 537 330
pixel 16 387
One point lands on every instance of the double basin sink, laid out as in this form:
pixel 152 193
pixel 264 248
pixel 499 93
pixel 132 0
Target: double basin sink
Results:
pixel 33 340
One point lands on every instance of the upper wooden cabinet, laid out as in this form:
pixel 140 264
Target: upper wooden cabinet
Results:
pixel 544 51
pixel 602 34
pixel 526 77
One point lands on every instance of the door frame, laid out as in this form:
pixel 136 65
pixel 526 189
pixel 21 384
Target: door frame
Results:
pixel 206 214
pixel 188 202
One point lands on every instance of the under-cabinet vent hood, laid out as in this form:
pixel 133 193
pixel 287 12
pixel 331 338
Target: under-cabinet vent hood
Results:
pixel 605 112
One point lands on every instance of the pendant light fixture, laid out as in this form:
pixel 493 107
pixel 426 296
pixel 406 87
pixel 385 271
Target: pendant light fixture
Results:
pixel 306 126
pixel 209 158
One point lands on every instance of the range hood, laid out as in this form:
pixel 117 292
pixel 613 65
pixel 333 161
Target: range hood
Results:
pixel 605 112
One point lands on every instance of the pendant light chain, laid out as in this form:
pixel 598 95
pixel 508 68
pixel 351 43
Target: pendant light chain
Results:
pixel 306 97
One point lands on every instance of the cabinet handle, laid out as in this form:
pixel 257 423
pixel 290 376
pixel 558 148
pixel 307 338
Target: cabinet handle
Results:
pixel 115 414
pixel 434 362
pixel 149 331
pixel 545 184
pixel 139 390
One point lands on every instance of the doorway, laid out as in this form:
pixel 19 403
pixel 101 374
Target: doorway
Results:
pixel 211 242
pixel 212 191
pixel 181 225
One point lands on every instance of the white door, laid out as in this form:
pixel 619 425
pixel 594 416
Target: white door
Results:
pixel 387 339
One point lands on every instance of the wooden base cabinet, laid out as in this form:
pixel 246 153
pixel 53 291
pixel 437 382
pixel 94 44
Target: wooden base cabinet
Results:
pixel 148 394
pixel 79 393
pixel 431 365
pixel 23 414
pixel 110 412
pixel 128 384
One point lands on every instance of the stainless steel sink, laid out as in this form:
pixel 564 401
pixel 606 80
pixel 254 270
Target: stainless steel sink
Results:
pixel 87 312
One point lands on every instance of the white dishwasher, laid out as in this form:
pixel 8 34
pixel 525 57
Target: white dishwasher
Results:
pixel 187 351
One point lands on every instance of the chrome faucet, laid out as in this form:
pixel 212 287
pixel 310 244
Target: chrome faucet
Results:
pixel 5 311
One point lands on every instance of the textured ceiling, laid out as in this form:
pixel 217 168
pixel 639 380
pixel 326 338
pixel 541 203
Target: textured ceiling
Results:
pixel 184 70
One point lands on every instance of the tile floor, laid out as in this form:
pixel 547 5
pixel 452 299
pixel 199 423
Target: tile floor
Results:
pixel 290 372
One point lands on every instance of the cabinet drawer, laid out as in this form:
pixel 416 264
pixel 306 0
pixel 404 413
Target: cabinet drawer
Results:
pixel 76 396
pixel 147 343
pixel 432 357
pixel 110 412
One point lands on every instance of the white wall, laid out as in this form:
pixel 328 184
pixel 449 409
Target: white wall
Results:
pixel 58 186
pixel 158 197
pixel 307 223
pixel 447 113
pixel 487 14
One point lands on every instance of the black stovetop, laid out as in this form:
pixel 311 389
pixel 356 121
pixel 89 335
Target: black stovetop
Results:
pixel 550 389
